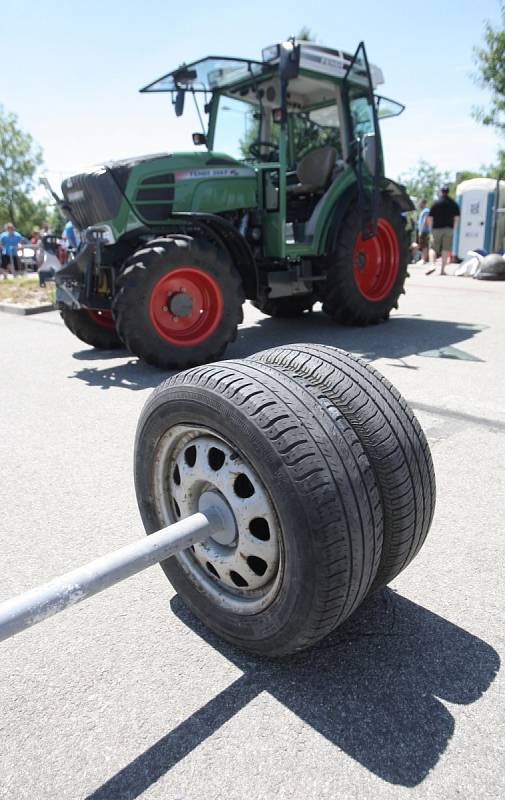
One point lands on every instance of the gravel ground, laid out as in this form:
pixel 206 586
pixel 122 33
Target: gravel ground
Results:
pixel 129 696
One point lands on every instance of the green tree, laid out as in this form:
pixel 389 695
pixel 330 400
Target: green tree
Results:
pixel 491 75
pixel 424 180
pixel 495 170
pixel 56 220
pixel 305 35
pixel 29 214
pixel 20 159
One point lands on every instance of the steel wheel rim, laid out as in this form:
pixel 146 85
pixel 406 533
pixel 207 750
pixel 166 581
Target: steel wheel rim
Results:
pixel 186 306
pixel 255 556
pixel 102 317
pixel 376 262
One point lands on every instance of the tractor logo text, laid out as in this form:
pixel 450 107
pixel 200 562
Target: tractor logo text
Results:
pixel 221 172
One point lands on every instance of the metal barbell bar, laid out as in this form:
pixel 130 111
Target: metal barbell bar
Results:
pixel 45 601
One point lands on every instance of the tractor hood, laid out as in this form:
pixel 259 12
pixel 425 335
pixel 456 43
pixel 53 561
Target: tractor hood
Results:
pixel 152 187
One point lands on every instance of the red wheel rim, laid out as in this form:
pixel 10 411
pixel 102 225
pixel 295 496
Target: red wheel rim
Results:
pixel 376 262
pixel 102 317
pixel 186 306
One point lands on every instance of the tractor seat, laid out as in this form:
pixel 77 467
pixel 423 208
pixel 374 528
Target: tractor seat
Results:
pixel 314 171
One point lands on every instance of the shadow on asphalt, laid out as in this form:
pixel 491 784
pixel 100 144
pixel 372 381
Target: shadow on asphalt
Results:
pixel 374 688
pixel 399 338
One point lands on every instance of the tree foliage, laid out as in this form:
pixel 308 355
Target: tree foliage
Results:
pixel 424 180
pixel 496 170
pixel 305 35
pixel 56 220
pixel 20 159
pixel 491 65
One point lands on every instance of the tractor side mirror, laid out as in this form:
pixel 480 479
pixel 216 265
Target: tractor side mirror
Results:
pixel 179 103
pixel 289 63
pixel 199 138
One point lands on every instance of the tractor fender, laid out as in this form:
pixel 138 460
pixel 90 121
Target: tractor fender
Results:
pixel 398 194
pixel 395 191
pixel 229 238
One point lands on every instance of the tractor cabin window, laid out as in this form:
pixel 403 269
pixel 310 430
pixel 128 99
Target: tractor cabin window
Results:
pixel 237 127
pixel 361 113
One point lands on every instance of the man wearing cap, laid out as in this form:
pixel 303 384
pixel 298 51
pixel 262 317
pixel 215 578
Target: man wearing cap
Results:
pixel 442 219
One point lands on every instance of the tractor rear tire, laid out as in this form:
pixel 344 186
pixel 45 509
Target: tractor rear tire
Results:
pixel 96 328
pixel 295 477
pixel 365 278
pixel 286 307
pixel 179 302
pixel 391 438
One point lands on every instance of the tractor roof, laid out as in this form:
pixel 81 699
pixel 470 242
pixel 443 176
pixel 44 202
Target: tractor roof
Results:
pixel 328 62
pixel 216 72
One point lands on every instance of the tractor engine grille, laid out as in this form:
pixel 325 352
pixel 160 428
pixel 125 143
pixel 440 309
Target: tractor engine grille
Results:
pixel 154 197
pixel 93 197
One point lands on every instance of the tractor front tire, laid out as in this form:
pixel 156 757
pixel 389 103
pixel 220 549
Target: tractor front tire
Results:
pixel 365 277
pixel 179 302
pixel 96 328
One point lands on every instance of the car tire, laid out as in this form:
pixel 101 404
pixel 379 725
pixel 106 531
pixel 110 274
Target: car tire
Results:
pixel 389 434
pixel 312 485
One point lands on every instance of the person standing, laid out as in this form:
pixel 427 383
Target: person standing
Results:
pixel 70 236
pixel 423 230
pixel 10 240
pixel 442 219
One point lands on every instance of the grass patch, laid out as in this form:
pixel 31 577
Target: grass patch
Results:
pixel 24 290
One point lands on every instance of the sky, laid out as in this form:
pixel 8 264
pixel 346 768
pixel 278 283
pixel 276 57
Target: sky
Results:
pixel 71 71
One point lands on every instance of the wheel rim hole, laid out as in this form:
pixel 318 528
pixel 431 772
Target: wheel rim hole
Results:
pixel 177 509
pixel 238 580
pixel 260 529
pixel 216 458
pixel 212 569
pixel 177 476
pixel 257 565
pixel 243 487
pixel 190 456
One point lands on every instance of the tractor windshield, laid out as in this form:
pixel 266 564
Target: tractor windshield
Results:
pixel 207 74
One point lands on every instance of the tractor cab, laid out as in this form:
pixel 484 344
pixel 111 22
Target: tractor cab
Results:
pixel 305 117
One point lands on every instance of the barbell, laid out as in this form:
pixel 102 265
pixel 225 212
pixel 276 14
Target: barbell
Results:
pixel 277 492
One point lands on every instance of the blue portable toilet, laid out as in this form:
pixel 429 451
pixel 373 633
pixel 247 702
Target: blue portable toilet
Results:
pixel 476 230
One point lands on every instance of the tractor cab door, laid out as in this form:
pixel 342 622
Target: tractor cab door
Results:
pixel 363 138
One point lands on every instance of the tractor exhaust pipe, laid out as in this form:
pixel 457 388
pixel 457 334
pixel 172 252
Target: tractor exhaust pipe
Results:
pixel 36 605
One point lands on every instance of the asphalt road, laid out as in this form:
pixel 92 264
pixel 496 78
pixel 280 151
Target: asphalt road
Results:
pixel 129 696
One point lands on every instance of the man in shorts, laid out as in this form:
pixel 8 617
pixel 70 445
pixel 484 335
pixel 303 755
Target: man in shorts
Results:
pixel 442 219
pixel 10 240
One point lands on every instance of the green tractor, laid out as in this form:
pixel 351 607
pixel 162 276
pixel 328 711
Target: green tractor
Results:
pixel 286 205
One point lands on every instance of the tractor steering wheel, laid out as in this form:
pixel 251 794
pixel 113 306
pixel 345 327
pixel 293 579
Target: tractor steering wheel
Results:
pixel 255 148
